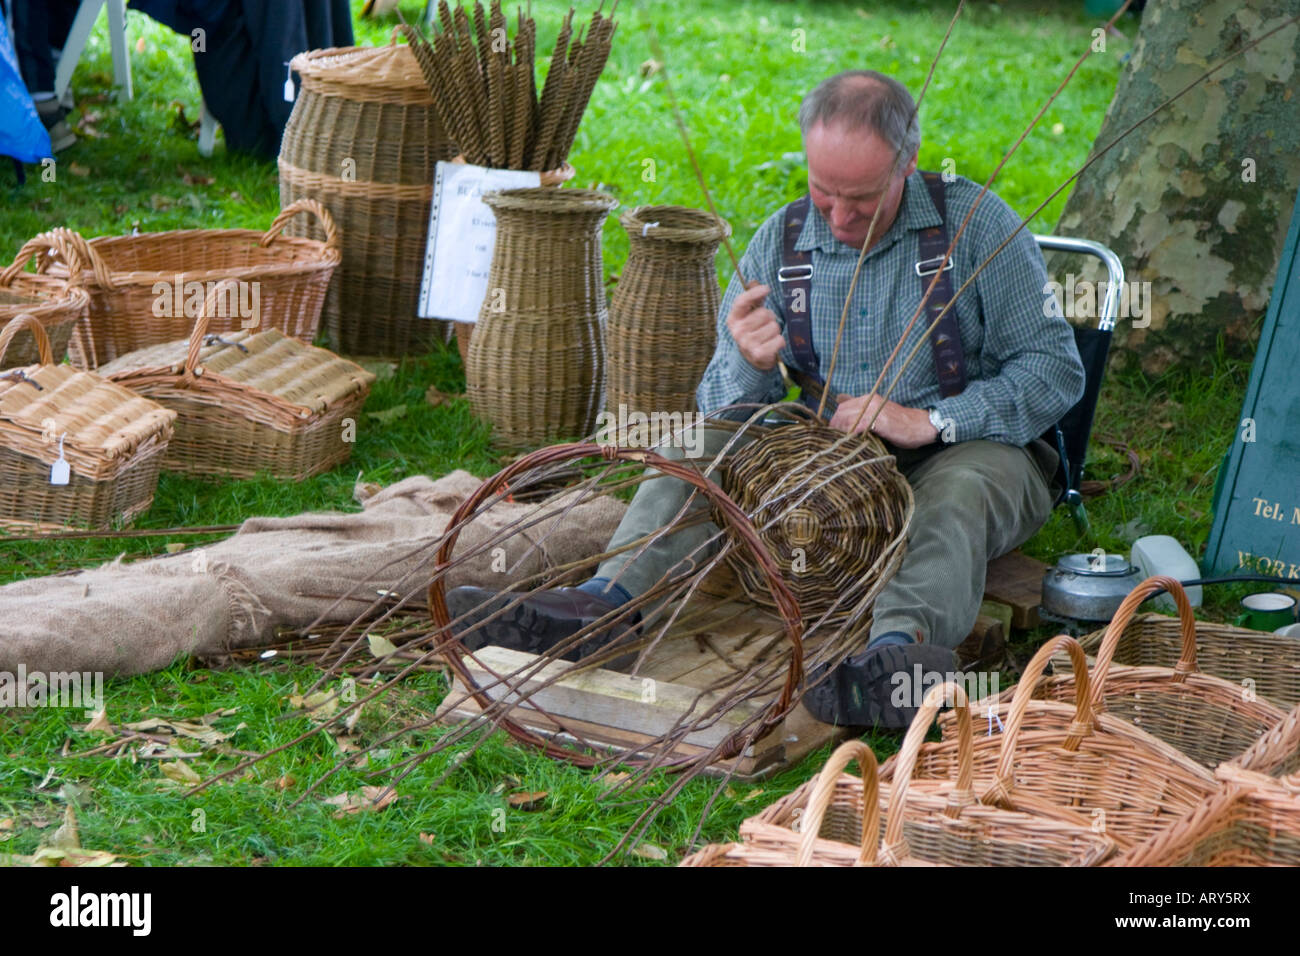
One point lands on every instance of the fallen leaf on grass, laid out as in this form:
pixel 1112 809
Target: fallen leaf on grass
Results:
pixel 285 782
pixel 176 547
pixel 649 851
pixel 367 799
pixel 388 414
pixel 435 397
pixel 6 829
pixel 78 170
pixel 427 839
pixel 528 800
pixel 320 705
pixel 203 732
pixel 380 646
pixel 192 179
pixel 752 795
pixel 99 723
pixel 67 836
pixel 51 856
pixel 181 773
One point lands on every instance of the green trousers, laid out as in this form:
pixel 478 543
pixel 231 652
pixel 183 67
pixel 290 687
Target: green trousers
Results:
pixel 975 500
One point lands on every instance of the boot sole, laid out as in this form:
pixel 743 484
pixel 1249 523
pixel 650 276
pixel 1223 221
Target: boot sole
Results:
pixel 864 691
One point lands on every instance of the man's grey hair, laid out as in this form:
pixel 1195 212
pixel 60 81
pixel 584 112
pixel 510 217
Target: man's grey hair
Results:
pixel 865 100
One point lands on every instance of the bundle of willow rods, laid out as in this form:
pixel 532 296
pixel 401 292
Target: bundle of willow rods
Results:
pixel 484 91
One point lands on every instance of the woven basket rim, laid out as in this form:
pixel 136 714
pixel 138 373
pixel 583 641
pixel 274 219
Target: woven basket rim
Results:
pixel 675 224
pixel 52 295
pixel 548 199
pixel 381 68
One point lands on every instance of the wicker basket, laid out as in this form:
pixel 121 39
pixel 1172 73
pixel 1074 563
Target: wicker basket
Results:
pixel 54 303
pixel 1058 756
pixel 536 368
pixel 250 403
pixel 112 439
pixel 835 820
pixel 363 139
pixel 662 318
pixel 1269 664
pixel 135 283
pixel 1207 718
pixel 833 510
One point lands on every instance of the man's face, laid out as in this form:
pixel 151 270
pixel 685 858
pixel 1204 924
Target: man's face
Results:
pixel 848 177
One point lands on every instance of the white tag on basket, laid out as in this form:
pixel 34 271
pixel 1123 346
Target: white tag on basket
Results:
pixel 288 86
pixel 60 472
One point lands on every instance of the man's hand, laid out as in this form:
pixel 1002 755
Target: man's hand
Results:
pixel 755 329
pixel 905 427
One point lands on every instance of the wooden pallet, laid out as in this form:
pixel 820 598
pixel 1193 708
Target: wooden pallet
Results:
pixel 626 711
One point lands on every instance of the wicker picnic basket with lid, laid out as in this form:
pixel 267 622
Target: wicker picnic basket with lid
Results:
pixel 112 439
pixel 364 139
pixel 132 279
pixel 249 402
pixel 836 819
pixel 662 318
pixel 1053 756
pixel 536 366
pixel 55 303
pixel 1206 717
pixel 1268 664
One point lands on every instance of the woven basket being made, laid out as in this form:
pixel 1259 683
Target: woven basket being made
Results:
pixel 250 403
pixel 1054 757
pixel 1206 717
pixel 836 819
pixel 363 140
pixel 537 359
pixel 832 508
pixel 148 289
pixel 1268 664
pixel 662 318
pixel 111 439
pixel 53 302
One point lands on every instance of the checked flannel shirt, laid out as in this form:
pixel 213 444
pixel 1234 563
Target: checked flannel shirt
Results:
pixel 1022 367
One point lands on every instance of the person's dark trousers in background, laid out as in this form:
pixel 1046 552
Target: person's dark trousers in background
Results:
pixel 40 28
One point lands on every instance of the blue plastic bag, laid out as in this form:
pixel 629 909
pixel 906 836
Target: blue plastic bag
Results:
pixel 22 135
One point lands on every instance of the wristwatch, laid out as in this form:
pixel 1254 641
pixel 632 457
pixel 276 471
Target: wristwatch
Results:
pixel 939 423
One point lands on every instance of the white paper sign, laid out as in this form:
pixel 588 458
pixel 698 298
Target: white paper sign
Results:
pixel 462 233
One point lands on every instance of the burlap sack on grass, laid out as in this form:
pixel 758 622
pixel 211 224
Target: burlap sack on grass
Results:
pixel 273 573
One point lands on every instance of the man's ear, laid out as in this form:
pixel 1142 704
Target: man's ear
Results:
pixel 910 167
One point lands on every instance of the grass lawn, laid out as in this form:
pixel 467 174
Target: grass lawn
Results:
pixel 739 68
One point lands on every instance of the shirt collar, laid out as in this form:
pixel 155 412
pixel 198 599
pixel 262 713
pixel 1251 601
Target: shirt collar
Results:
pixel 915 212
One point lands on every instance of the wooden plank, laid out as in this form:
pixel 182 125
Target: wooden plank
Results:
pixel 1016 580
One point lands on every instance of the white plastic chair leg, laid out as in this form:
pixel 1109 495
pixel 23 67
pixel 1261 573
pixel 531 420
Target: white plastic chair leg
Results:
pixel 207 130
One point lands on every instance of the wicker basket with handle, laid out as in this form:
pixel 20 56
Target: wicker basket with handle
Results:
pixel 537 359
pixel 53 302
pixel 1206 717
pixel 250 403
pixel 662 318
pixel 146 289
pixel 112 440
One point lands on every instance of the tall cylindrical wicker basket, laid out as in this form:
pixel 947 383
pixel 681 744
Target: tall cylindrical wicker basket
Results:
pixel 363 139
pixel 663 314
pixel 537 360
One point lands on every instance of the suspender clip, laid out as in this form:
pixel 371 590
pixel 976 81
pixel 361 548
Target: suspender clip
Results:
pixel 928 267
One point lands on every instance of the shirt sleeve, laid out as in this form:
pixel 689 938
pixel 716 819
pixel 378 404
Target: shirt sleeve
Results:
pixel 729 379
pixel 1036 374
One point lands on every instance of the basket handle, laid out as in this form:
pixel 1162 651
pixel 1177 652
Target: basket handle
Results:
pixel 1080 727
pixel 60 243
pixel 25 320
pixel 303 205
pixel 192 370
pixel 1110 641
pixel 963 795
pixel 854 751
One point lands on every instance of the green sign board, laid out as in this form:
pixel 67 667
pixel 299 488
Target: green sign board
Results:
pixel 1257 503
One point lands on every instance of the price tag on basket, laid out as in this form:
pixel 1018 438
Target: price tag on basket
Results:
pixel 60 472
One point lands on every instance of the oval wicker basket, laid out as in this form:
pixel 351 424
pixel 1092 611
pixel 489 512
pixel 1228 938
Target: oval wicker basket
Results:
pixel 53 302
pixel 363 140
pixel 145 289
pixel 536 366
pixel 663 316
pixel 833 510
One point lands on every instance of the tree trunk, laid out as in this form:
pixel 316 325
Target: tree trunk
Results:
pixel 1197 200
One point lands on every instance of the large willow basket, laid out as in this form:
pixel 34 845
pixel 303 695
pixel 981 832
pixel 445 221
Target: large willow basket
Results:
pixel 832 508
pixel 53 302
pixel 363 140
pixel 111 438
pixel 147 289
pixel 1206 717
pixel 250 403
pixel 662 319
pixel 1266 664
pixel 537 360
